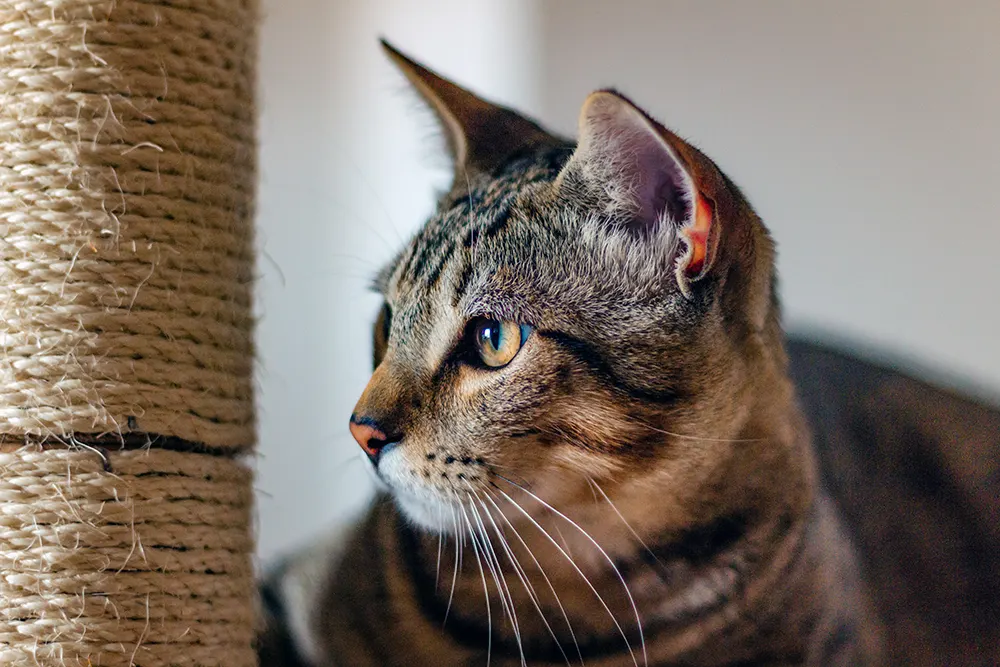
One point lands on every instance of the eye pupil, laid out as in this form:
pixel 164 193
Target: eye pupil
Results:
pixel 491 334
pixel 497 342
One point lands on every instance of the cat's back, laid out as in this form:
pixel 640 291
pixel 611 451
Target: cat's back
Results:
pixel 915 471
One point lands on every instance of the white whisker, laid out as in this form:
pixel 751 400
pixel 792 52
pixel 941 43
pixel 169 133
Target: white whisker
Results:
pixel 519 571
pixel 541 570
pixel 578 571
pixel 594 485
pixel 683 436
pixel 476 537
pixel 484 536
pixel 635 608
pixel 458 559
pixel 562 538
pixel 437 571
pixel 486 596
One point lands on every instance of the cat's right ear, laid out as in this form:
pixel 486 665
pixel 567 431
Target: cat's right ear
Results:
pixel 646 181
pixel 481 136
pixel 640 175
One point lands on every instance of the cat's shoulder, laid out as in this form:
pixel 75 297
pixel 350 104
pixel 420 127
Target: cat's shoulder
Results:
pixel 292 592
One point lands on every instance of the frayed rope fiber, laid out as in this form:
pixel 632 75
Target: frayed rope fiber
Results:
pixel 127 176
pixel 147 565
pixel 126 191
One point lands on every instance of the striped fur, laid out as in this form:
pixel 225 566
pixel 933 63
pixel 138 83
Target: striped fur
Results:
pixel 637 486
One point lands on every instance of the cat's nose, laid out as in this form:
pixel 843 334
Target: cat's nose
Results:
pixel 371 438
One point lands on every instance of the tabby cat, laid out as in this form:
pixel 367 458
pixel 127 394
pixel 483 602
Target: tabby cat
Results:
pixel 581 413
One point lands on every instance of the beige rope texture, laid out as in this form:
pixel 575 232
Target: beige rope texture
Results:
pixel 126 191
pixel 147 565
pixel 127 173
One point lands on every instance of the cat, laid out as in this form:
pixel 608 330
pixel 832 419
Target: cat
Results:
pixel 582 416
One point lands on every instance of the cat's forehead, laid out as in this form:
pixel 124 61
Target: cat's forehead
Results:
pixel 475 212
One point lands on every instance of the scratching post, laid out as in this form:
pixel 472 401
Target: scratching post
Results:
pixel 126 200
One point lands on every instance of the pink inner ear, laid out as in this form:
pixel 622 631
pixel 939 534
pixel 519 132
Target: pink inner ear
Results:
pixel 697 236
pixel 663 186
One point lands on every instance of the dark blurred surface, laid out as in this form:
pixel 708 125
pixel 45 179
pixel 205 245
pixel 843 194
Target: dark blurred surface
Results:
pixel 915 470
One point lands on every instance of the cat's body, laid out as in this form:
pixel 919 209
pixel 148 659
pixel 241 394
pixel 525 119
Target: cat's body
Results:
pixel 582 410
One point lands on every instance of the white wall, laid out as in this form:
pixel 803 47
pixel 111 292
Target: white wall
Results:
pixel 867 134
pixel 347 172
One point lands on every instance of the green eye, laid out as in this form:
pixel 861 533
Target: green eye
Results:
pixel 498 342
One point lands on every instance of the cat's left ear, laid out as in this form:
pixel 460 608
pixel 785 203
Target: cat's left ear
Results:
pixel 481 136
pixel 645 178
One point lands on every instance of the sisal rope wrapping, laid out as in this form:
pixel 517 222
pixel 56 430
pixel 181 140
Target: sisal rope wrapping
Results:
pixel 147 565
pixel 127 173
pixel 126 191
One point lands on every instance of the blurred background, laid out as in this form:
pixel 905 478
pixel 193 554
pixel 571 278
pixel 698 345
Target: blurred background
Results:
pixel 865 133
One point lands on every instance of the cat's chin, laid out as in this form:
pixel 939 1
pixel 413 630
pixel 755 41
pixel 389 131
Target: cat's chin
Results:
pixel 433 516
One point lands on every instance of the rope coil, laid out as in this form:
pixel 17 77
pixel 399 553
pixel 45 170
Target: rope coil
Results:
pixel 149 564
pixel 127 176
pixel 126 194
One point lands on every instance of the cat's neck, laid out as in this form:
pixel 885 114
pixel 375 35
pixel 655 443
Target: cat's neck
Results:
pixel 777 593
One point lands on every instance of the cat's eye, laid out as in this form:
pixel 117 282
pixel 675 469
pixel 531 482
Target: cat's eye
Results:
pixel 384 322
pixel 496 342
pixel 380 337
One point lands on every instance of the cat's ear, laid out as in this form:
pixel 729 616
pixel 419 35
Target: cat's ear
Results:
pixel 640 175
pixel 481 136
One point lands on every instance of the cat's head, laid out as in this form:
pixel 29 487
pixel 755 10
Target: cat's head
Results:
pixel 574 316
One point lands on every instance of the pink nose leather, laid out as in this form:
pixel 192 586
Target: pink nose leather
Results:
pixel 370 438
